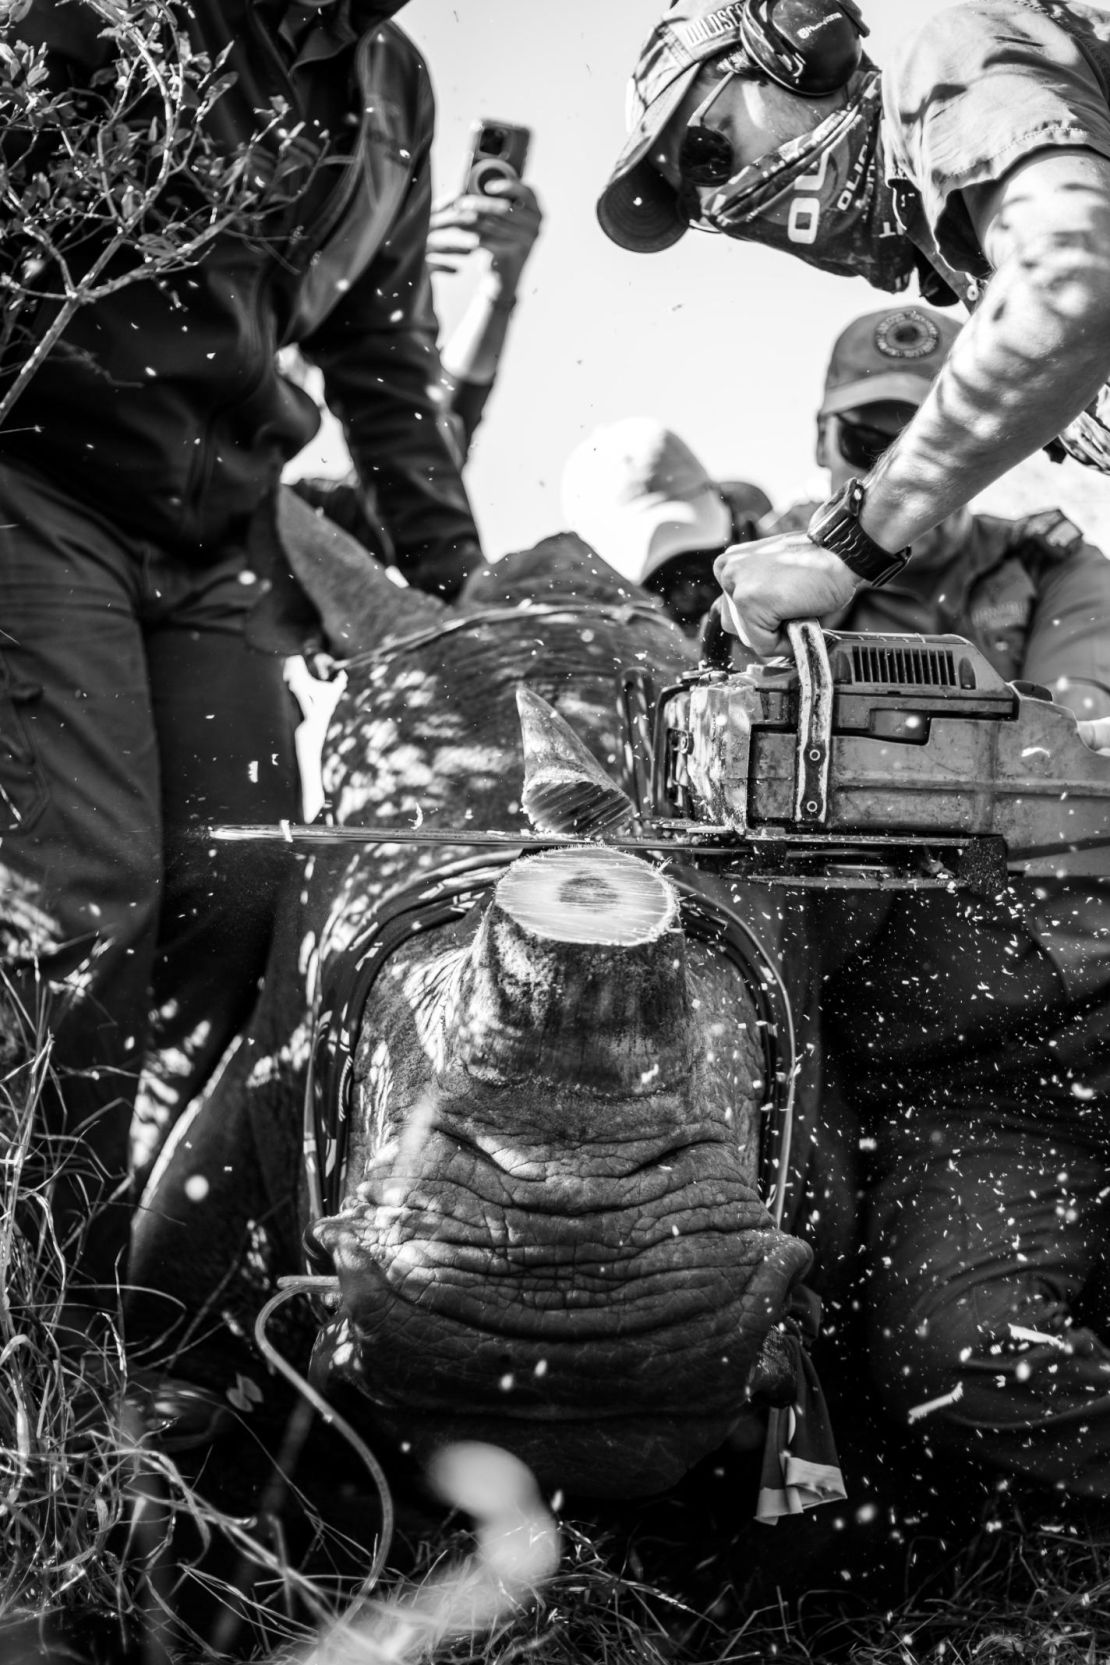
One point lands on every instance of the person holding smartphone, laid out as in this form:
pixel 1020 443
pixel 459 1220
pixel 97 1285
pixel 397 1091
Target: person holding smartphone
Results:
pixel 494 219
pixel 498 226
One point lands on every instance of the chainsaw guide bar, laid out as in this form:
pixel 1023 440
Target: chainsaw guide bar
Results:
pixel 870 762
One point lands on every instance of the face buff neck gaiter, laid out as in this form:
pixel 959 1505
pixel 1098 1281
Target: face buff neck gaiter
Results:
pixel 823 197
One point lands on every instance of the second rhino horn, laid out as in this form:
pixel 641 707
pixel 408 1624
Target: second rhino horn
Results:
pixel 565 789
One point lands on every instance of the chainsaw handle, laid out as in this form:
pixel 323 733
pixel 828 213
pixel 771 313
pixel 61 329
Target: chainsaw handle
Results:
pixel 714 641
pixel 815 703
pixel 815 714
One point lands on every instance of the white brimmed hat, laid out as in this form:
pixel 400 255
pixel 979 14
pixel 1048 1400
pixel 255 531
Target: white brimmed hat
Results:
pixel 637 494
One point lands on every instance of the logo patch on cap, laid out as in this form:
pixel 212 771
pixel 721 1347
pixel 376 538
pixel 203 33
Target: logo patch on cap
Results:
pixel 908 334
pixel 698 30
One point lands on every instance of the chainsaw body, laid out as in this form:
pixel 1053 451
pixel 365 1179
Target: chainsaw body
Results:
pixel 881 758
pixel 872 761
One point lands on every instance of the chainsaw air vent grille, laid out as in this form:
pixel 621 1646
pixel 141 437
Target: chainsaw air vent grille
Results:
pixel 914 667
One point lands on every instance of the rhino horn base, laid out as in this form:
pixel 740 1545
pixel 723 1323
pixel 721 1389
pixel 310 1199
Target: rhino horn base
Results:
pixel 577 973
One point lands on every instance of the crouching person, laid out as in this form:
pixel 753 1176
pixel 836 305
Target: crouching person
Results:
pixel 973 1035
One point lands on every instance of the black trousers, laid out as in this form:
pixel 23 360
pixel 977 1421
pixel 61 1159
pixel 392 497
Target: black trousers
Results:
pixel 984 1093
pixel 133 715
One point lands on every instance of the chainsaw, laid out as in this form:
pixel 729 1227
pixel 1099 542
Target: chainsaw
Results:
pixel 867 761
pixel 872 758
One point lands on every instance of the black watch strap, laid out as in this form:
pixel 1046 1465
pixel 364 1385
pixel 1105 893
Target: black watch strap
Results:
pixel 835 526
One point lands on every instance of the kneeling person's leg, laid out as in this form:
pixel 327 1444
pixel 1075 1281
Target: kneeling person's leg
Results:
pixel 983 1239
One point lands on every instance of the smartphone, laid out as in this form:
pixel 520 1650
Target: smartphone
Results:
pixel 498 150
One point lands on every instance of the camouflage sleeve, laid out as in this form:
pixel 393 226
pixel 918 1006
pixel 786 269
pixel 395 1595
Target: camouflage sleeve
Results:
pixel 980 87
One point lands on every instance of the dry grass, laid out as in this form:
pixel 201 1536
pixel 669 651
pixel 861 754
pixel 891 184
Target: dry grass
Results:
pixel 63 1470
pixel 1035 1598
pixel 90 1511
pixel 88 1504
pixel 1041 1597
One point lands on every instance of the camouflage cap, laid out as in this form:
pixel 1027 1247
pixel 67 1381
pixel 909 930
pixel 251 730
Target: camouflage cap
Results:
pixel 637 208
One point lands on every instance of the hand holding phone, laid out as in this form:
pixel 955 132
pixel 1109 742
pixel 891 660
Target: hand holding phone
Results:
pixel 498 150
pixel 503 222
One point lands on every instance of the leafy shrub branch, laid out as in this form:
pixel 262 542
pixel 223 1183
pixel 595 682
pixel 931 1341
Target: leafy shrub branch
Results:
pixel 121 179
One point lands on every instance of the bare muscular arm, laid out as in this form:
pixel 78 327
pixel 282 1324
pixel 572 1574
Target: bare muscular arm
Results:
pixel 1032 357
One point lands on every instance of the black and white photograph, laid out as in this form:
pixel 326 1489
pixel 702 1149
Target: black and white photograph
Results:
pixel 554 832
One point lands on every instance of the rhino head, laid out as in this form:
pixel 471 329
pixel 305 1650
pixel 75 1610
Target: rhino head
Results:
pixel 550 1236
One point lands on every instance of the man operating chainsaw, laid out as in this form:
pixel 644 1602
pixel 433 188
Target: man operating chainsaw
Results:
pixel 978 162
pixel 1030 593
pixel 972 1037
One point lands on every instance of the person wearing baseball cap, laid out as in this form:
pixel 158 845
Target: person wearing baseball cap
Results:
pixel 889 357
pixel 929 1015
pixel 1029 593
pixel 637 494
pixel 879 372
pixel 981 153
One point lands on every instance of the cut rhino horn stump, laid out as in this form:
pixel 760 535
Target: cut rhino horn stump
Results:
pixel 577 972
pixel 565 788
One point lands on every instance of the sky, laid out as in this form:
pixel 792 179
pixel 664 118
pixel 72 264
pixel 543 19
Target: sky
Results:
pixel 724 342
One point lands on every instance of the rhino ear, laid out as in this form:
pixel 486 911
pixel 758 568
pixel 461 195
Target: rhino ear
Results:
pixel 358 603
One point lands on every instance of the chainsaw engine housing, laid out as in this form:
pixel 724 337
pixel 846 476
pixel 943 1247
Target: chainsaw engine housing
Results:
pixel 871 738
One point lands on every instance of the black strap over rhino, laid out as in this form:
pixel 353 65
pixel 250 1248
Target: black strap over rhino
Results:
pixel 422 907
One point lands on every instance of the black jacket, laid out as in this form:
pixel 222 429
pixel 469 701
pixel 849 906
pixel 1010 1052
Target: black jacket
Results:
pixel 163 407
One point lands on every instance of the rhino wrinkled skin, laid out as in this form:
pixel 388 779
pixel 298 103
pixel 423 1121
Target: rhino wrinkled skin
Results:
pixel 550 1235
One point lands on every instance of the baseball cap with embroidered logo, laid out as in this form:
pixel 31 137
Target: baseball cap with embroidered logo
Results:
pixel 892 355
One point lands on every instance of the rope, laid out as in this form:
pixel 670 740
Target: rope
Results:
pixel 290 1287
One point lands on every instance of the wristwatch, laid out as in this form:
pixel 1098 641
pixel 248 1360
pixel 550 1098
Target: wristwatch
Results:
pixel 835 526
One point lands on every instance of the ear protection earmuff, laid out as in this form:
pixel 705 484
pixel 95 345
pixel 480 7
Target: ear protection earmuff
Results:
pixel 811 47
